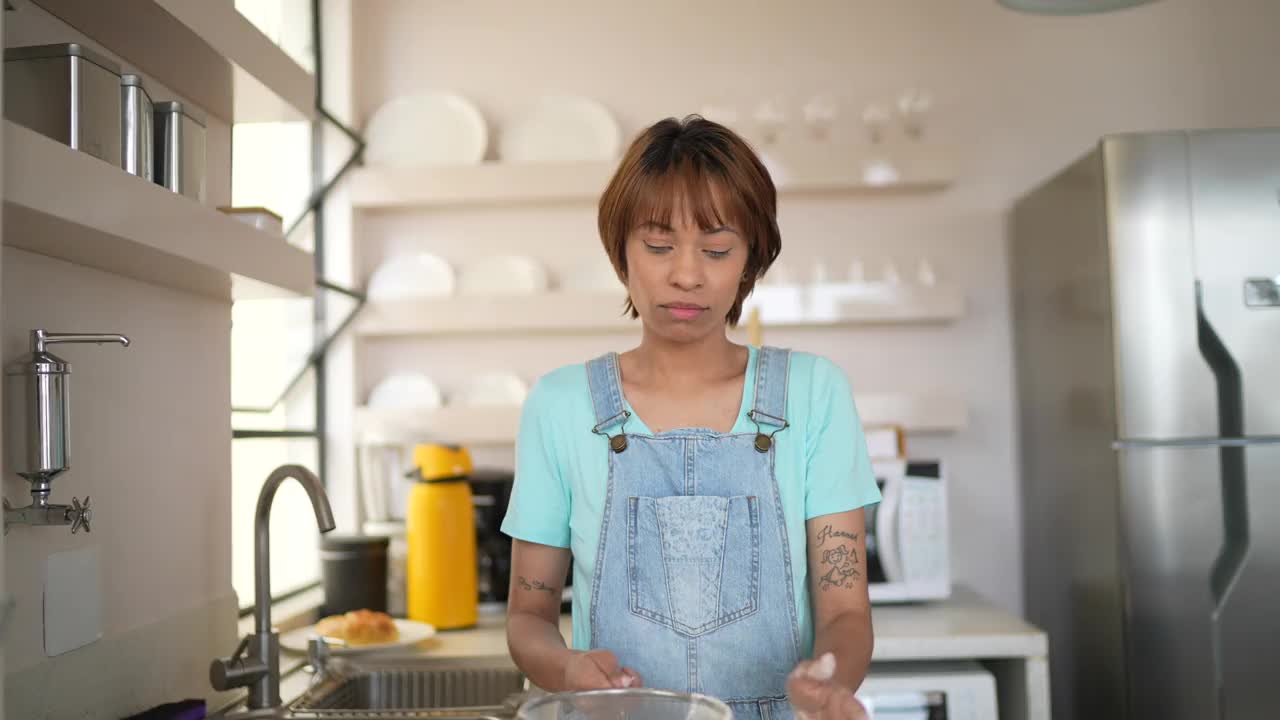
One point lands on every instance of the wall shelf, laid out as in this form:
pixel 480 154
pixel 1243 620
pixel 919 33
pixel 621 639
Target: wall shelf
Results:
pixel 205 51
pixel 486 184
pixel 575 312
pixel 497 426
pixel 798 171
pixel 69 205
pixel 259 60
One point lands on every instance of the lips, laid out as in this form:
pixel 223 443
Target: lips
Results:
pixel 684 311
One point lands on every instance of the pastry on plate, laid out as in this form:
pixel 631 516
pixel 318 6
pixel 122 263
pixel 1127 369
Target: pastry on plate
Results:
pixel 359 627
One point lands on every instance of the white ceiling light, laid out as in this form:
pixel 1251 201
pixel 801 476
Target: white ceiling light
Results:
pixel 1070 7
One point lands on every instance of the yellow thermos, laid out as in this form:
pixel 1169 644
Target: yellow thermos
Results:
pixel 442 539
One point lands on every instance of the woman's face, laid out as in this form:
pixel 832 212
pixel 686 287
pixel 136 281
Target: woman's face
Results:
pixel 684 279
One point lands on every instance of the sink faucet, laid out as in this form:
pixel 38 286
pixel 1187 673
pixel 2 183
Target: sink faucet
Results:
pixel 256 662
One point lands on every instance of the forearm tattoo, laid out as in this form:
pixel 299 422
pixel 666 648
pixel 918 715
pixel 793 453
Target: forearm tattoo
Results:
pixel 839 563
pixel 535 585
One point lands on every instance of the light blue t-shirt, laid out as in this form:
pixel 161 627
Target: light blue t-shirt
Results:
pixel 562 468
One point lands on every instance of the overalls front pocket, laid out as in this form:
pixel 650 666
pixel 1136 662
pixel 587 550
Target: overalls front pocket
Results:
pixel 693 561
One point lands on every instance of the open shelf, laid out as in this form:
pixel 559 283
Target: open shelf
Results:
pixel 486 184
pixel 575 312
pixel 490 426
pixel 809 171
pixel 203 50
pixel 231 35
pixel 70 205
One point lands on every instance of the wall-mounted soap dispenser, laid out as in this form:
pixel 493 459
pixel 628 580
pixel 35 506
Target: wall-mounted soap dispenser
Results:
pixel 37 397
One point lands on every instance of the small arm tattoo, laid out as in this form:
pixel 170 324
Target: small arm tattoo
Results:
pixel 841 568
pixel 827 533
pixel 535 585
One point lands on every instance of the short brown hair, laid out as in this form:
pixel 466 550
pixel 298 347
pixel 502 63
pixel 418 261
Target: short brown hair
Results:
pixel 707 165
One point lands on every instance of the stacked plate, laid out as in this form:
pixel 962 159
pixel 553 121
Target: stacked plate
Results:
pixel 433 129
pixel 561 128
pixel 412 276
pixel 416 391
pixel 427 129
pixel 421 275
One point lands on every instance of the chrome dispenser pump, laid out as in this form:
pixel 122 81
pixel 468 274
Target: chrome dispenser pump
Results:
pixel 37 397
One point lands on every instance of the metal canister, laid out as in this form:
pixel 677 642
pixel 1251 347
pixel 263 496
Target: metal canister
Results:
pixel 38 403
pixel 66 92
pixel 180 149
pixel 137 128
pixel 38 400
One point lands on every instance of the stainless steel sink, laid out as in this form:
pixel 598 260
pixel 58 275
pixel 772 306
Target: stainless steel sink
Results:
pixel 459 689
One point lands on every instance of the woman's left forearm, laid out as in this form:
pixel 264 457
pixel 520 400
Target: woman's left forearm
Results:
pixel 848 636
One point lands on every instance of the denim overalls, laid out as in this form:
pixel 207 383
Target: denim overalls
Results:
pixel 692 585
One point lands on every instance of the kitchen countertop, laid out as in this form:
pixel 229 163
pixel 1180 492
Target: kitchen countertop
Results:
pixel 966 626
pixel 962 627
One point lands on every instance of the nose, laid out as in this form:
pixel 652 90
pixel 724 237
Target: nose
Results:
pixel 686 271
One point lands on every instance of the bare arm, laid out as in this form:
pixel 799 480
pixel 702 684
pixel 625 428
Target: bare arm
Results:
pixel 838 586
pixel 533 612
pixel 533 627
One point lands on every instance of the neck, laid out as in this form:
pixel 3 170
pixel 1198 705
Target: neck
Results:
pixel 707 358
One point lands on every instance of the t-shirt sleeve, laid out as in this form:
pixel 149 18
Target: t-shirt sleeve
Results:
pixel 538 511
pixel 838 475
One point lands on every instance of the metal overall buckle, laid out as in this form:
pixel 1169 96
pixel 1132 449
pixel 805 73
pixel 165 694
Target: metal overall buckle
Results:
pixel 764 442
pixel 617 443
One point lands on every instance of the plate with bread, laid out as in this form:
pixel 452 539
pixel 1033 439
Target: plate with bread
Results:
pixel 359 631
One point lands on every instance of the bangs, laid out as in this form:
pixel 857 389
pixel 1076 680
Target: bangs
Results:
pixel 686 192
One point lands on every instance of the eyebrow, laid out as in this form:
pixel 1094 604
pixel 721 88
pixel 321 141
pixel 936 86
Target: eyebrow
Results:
pixel 722 228
pixel 655 225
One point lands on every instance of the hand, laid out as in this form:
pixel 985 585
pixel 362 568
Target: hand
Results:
pixel 597 670
pixel 816 696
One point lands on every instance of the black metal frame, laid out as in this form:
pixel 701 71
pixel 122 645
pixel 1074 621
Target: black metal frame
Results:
pixel 316 359
pixel 315 209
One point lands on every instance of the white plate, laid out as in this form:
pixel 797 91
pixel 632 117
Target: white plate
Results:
pixel 503 275
pixel 406 390
pixel 411 633
pixel 561 128
pixel 592 276
pixel 494 389
pixel 418 275
pixel 435 128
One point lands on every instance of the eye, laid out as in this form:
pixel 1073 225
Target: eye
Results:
pixel 717 254
pixel 656 249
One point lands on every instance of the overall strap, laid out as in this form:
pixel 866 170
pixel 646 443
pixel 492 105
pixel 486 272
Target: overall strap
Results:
pixel 606 392
pixel 770 408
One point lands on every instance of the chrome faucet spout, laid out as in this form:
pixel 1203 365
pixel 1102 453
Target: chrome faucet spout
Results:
pixel 262 533
pixel 256 662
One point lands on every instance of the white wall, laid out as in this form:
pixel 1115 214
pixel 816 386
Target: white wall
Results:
pixel 150 443
pixel 1016 97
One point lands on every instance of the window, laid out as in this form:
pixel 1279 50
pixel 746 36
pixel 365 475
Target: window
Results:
pixel 271 340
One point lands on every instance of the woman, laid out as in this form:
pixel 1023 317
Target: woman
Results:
pixel 709 494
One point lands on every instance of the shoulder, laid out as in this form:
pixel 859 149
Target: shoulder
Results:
pixel 562 382
pixel 812 375
pixel 819 395
pixel 560 395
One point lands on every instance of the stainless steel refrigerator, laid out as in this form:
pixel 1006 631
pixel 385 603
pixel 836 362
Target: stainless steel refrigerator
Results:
pixel 1146 297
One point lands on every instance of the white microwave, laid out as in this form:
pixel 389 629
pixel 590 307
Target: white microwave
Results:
pixel 908 558
pixel 929 691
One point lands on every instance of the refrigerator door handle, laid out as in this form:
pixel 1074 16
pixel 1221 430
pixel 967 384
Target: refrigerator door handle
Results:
pixel 1229 563
pixel 1193 443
